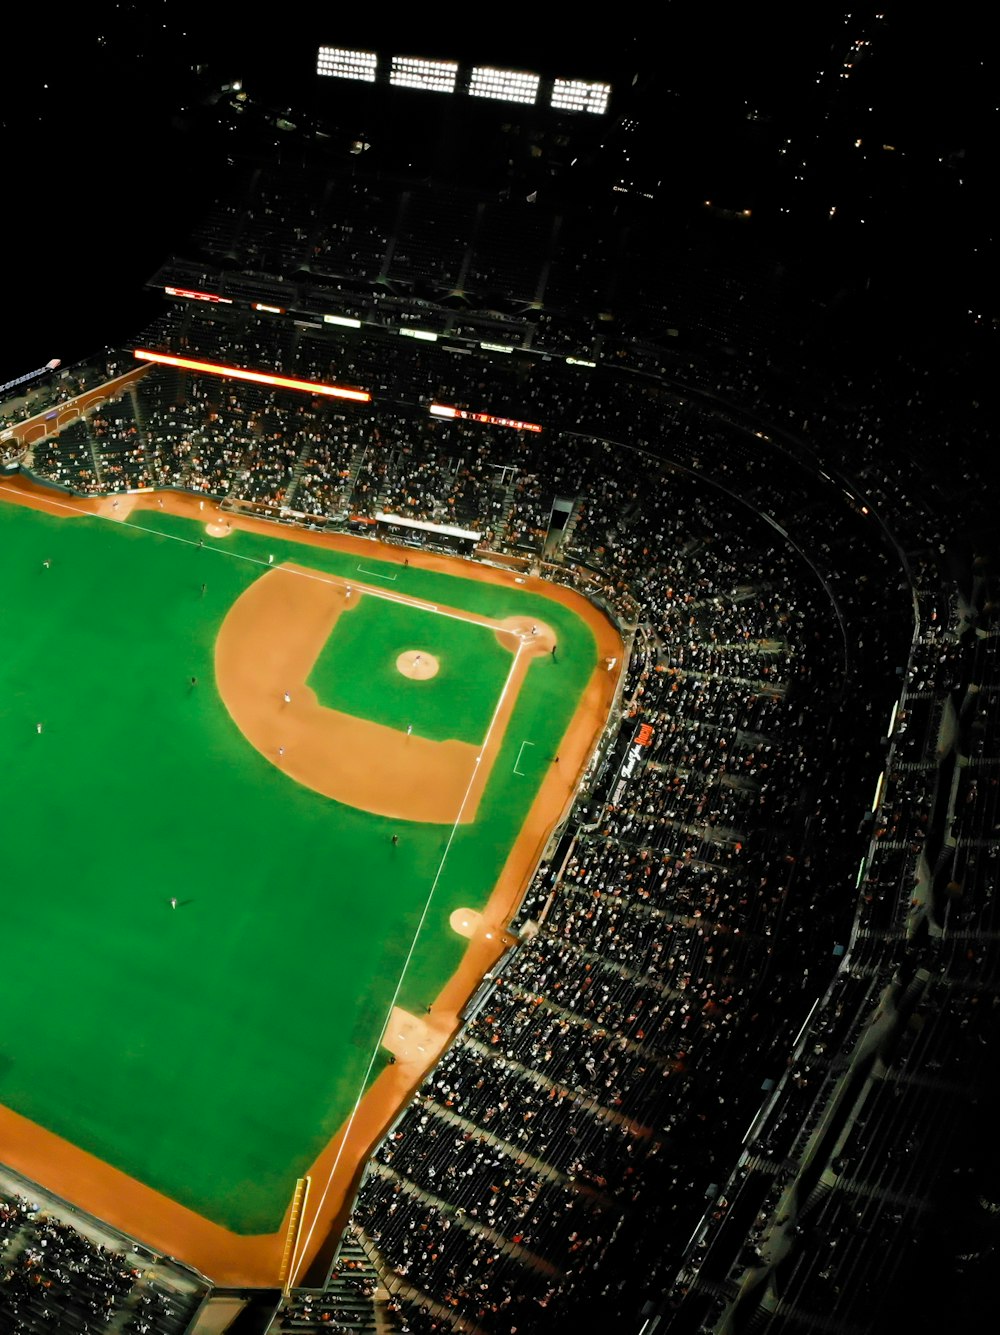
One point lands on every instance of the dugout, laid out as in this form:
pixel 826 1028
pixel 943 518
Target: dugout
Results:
pixel 418 533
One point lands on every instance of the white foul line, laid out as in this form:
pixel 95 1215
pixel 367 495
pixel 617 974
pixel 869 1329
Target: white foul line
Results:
pixel 417 603
pixel 406 964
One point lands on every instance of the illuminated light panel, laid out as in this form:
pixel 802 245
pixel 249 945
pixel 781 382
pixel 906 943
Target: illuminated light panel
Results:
pixel 340 63
pixel 196 296
pixel 260 377
pixel 443 410
pixel 503 85
pixel 272 310
pixel 424 334
pixel 579 361
pixel 579 95
pixel 345 320
pixel 436 76
pixel 496 347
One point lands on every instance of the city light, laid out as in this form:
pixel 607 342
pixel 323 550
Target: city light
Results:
pixel 503 85
pixel 260 377
pixel 340 63
pixel 580 95
pixel 437 76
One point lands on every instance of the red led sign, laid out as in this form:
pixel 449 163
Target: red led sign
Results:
pixel 196 296
pixel 442 410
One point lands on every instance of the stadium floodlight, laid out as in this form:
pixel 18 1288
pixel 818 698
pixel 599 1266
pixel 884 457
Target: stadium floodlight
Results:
pixel 436 76
pixel 580 95
pixel 259 377
pixel 340 63
pixel 503 85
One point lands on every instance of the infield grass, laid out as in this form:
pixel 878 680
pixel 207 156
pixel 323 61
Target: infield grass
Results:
pixel 356 671
pixel 213 1049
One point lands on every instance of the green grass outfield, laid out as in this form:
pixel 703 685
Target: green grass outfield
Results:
pixel 212 1051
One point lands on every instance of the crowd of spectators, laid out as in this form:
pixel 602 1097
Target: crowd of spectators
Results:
pixel 54 1277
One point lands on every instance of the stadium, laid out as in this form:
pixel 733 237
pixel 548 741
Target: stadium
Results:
pixel 524 775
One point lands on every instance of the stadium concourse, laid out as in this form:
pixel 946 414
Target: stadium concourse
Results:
pixel 753 982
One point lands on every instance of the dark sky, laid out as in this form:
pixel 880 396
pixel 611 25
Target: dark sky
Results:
pixel 106 186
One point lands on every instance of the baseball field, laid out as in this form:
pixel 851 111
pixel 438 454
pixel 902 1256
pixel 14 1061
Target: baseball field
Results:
pixel 259 796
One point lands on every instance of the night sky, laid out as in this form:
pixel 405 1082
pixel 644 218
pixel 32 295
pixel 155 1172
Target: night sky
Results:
pixel 760 111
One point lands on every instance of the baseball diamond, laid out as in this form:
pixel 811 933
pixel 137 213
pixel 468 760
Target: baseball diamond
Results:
pixel 264 851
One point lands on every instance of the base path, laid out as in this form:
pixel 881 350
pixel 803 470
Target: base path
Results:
pixel 264 653
pixel 156 1220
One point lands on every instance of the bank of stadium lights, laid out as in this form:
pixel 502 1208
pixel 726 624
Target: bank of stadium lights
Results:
pixel 503 85
pixel 579 95
pixel 449 76
pixel 340 63
pixel 436 76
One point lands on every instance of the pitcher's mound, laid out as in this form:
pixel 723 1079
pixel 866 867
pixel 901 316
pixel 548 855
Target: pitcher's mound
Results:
pixel 418 665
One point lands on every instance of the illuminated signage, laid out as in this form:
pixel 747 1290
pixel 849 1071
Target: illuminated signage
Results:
pixel 260 377
pixel 273 310
pixel 495 347
pixel 424 334
pixel 436 76
pixel 442 410
pixel 345 320
pixel 31 375
pixel 196 296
